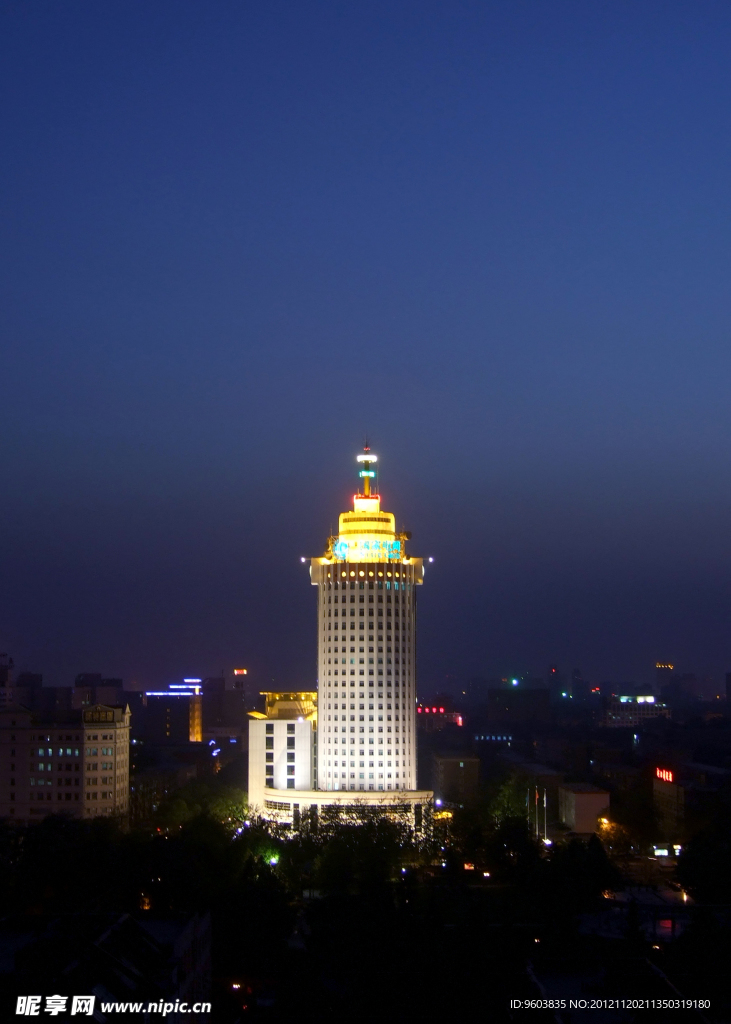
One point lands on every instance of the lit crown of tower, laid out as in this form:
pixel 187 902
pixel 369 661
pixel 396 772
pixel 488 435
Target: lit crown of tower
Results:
pixel 367 534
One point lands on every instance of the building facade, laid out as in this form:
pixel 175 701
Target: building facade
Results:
pixel 79 766
pixel 456 778
pixel 366 614
pixel 685 797
pixel 627 712
pixel 364 736
pixel 580 805
pixel 173 716
pixel 282 742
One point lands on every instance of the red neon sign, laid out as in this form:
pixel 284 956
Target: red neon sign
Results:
pixel 664 774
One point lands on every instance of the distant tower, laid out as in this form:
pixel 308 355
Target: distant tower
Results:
pixel 554 680
pixel 366 615
pixel 663 674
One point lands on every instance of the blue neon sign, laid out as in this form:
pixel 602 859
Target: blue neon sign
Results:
pixel 365 549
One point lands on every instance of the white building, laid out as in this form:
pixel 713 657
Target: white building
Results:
pixel 282 743
pixel 580 804
pixel 362 720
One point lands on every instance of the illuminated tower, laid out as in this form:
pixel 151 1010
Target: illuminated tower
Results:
pixel 366 643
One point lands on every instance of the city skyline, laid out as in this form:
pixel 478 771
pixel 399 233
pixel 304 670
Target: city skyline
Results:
pixel 457 672
pixel 303 306
pixel 451 681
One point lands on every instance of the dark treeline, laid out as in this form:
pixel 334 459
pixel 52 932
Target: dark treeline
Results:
pixel 302 918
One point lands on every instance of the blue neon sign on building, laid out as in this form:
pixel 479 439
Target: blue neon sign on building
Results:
pixel 355 550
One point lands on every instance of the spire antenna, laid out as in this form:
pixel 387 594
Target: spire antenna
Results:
pixel 367 472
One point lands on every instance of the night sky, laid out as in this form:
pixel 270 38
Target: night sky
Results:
pixel 236 236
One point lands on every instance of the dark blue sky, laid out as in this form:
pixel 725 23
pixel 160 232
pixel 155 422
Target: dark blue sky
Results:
pixel 236 236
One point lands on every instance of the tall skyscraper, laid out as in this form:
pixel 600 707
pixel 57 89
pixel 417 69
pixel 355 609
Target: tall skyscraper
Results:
pixel 366 623
pixel 356 742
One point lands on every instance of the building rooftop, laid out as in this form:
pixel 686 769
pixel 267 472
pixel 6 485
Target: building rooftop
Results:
pixel 583 787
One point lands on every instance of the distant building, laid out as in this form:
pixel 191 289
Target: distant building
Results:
pixel 28 691
pixel 515 705
pixel 175 715
pixel 685 792
pixel 495 738
pixel 79 766
pixel 626 712
pixel 224 706
pixel 580 804
pixel 663 674
pixel 456 778
pixel 6 680
pixel 554 681
pixel 90 688
pixel 435 717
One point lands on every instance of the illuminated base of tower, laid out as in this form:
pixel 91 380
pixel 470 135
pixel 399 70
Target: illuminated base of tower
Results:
pixel 287 805
pixel 282 776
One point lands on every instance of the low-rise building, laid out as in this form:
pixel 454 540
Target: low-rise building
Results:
pixel 282 742
pixel 684 795
pixel 79 766
pixel 580 805
pixel 456 778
